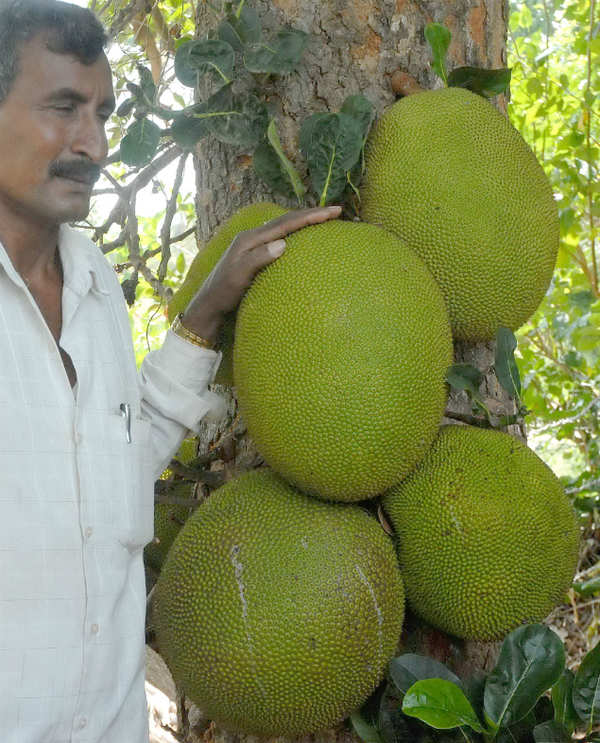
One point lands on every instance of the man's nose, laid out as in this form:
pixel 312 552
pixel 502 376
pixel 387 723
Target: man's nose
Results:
pixel 90 139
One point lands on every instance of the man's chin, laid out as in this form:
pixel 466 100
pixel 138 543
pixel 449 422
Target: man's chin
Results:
pixel 72 209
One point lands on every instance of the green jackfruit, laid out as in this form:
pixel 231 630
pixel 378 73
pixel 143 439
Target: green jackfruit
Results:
pixel 487 538
pixel 340 355
pixel 277 613
pixel 449 174
pixel 168 520
pixel 247 218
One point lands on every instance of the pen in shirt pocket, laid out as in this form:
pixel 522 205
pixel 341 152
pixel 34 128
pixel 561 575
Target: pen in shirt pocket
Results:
pixel 125 409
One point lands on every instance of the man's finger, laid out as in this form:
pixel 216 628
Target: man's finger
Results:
pixel 281 226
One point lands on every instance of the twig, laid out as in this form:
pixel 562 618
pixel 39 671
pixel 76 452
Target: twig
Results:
pixel 165 233
pixel 177 500
pixel 472 420
pixel 571 419
pixel 592 485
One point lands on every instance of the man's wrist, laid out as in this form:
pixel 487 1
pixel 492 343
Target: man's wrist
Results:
pixel 204 326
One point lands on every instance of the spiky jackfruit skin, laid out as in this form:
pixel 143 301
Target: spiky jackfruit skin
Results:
pixel 247 218
pixel 277 613
pixel 487 538
pixel 341 350
pixel 168 520
pixel 449 174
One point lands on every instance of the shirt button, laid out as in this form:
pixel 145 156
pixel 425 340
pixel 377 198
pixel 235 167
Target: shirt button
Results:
pixel 88 532
pixel 82 722
pixel 95 629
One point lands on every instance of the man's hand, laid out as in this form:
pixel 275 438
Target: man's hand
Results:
pixel 250 251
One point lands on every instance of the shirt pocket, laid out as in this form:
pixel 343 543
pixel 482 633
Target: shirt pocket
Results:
pixel 140 526
pixel 116 477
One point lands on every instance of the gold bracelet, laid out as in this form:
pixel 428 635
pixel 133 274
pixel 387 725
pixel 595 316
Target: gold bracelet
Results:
pixel 179 329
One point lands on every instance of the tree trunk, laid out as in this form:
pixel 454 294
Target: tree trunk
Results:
pixel 355 47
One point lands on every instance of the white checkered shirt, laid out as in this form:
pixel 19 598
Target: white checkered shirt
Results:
pixel 76 501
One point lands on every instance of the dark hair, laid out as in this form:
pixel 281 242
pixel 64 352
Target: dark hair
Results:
pixel 68 29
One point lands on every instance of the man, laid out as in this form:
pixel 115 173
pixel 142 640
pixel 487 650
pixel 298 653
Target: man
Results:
pixel 82 436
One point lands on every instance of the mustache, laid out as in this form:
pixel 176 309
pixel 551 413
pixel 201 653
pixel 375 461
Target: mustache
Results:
pixel 78 170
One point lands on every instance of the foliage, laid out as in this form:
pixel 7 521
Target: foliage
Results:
pixel 554 56
pixel 467 378
pixel 511 703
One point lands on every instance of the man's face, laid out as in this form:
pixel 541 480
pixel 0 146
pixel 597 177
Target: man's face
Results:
pixel 52 136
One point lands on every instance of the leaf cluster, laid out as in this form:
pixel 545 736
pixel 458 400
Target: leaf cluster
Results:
pixel 528 697
pixel 467 378
pixel 555 58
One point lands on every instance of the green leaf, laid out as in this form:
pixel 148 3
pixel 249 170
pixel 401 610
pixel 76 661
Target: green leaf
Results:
pixel 126 108
pixel 288 168
pixel 187 130
pixel 268 168
pixel 551 732
pixel 531 660
pixel 573 359
pixel 582 300
pixel 464 377
pixel 441 704
pixel 365 732
pixel 438 37
pixel 520 732
pixel 361 109
pixel 486 83
pixel 139 145
pixel 408 668
pixel 210 56
pixel 562 700
pixel 588 587
pixel 277 56
pixel 586 688
pixel 147 83
pixel 238 120
pixel 331 144
pixel 244 124
pixel 241 30
pixel 506 367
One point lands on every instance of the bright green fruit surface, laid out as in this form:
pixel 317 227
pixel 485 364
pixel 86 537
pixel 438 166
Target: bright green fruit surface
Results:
pixel 341 350
pixel 448 173
pixel 247 218
pixel 277 613
pixel 487 538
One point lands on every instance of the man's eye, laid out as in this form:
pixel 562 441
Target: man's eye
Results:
pixel 64 107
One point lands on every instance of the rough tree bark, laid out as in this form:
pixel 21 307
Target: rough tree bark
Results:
pixel 357 46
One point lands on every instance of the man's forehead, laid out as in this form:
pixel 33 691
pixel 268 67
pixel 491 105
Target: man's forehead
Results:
pixel 54 70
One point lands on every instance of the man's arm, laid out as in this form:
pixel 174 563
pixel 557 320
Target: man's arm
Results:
pixel 175 378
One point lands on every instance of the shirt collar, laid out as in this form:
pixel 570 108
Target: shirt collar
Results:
pixel 79 257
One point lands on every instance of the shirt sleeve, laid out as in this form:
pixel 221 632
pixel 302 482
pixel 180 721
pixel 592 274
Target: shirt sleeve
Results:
pixel 174 383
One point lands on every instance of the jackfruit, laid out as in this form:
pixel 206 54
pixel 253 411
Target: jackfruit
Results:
pixel 247 218
pixel 277 613
pixel 168 520
pixel 449 174
pixel 340 354
pixel 487 538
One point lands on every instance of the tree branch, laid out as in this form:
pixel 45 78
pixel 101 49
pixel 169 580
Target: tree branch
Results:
pixel 165 233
